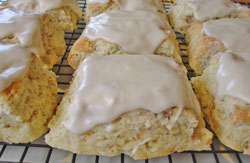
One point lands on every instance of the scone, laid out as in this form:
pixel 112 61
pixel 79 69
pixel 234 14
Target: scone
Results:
pixel 223 90
pixel 140 105
pixel 34 32
pixel 119 32
pixel 184 13
pixel 96 7
pixel 206 39
pixel 65 13
pixel 28 95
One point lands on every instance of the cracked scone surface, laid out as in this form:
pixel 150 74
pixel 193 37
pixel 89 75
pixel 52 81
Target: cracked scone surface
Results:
pixel 28 104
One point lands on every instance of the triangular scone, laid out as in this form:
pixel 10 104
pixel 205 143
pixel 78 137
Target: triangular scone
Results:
pixel 65 13
pixel 184 13
pixel 28 95
pixel 132 104
pixel 34 32
pixel 227 111
pixel 206 39
pixel 124 32
pixel 96 7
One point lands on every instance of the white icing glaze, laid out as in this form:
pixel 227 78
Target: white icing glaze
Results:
pixel 97 1
pixel 24 26
pixel 234 33
pixel 135 31
pixel 43 6
pixel 123 83
pixel 207 9
pixel 233 77
pixel 13 64
pixel 131 5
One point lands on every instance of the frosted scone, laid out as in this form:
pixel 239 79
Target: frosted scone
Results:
pixel 224 92
pixel 34 32
pixel 96 7
pixel 206 39
pixel 28 95
pixel 64 13
pixel 119 32
pixel 140 105
pixel 184 13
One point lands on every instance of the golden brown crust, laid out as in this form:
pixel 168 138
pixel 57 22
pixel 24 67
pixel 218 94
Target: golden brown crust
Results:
pixel 241 114
pixel 81 44
pixel 201 47
pixel 207 103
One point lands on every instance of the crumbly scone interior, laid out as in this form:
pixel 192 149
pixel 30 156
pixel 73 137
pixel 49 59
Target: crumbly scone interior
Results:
pixel 28 105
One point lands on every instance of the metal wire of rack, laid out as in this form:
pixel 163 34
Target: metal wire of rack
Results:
pixel 38 151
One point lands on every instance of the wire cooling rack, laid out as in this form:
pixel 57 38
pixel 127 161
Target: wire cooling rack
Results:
pixel 38 151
